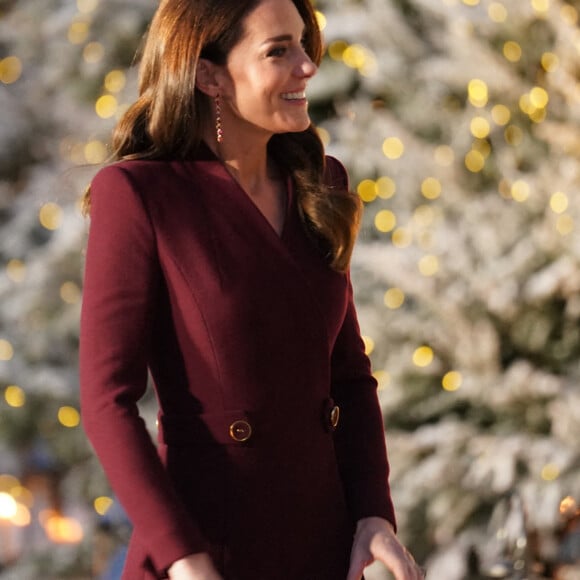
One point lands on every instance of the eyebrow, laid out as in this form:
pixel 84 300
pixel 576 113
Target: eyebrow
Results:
pixel 281 38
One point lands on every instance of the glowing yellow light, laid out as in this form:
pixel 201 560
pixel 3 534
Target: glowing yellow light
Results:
pixel 394 298
pixel 568 505
pixel 15 396
pixel 336 49
pixel 93 52
pixel 8 506
pixel 367 190
pixel 63 530
pixel 385 220
pixel 497 12
pixel 479 127
pixel 70 293
pixel 85 6
pixel 429 265
pixel 539 97
pixel 386 187
pixel 78 32
pixel 520 190
pixel 526 104
pixel 471 2
pixel 550 61
pixel 106 106
pixel 401 237
pixel 474 161
pixel 423 356
pixel 431 188
pixel 95 152
pixel 6 350
pixel 452 381
pixel 512 51
pixel 115 81
pixel 569 14
pixel 444 155
pixel 513 135
pixel 10 69
pixel 541 6
pixel 483 146
pixel 69 416
pixel 21 518
pixel 565 225
pixel 355 56
pixel 369 344
pixel 501 115
pixel 538 115
pixel 50 216
pixel 550 472
pixel 16 270
pixel 423 216
pixel 321 19
pixel 477 93
pixel 559 202
pixel 103 505
pixel 383 378
pixel 393 148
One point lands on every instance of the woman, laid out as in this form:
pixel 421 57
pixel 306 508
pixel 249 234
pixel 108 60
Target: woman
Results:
pixel 217 260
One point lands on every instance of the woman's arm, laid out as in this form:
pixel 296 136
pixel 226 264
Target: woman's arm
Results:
pixel 122 278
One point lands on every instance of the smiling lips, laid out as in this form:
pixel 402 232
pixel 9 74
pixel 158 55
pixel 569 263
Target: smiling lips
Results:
pixel 297 96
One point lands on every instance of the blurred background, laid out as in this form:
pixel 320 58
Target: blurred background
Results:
pixel 459 122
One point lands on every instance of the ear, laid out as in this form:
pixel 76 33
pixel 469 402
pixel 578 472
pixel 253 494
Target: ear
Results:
pixel 207 77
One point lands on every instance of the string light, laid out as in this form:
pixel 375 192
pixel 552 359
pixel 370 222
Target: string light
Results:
pixel 393 148
pixel 10 69
pixel 369 344
pixel 477 93
pixel 69 417
pixel 474 161
pixel 497 12
pixel 15 396
pixel 386 187
pixel 512 51
pixel 6 350
pixel 423 356
pixel 401 237
pixel 16 270
pixel 501 115
pixel 559 202
pixel 452 381
pixel 367 190
pixel 429 265
pixel 479 127
pixel 385 221
pixel 383 379
pixel 394 298
pixel 50 216
pixel 550 472
pixel 102 505
pixel 520 191
pixel 431 188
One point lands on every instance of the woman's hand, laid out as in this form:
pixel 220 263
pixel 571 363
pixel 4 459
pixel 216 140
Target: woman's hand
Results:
pixel 375 540
pixel 194 567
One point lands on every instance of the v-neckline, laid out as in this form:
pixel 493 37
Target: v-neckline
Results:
pixel 261 217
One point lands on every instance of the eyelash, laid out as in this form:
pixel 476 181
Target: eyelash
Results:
pixel 280 51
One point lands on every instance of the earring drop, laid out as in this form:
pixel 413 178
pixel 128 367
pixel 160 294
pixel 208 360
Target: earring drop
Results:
pixel 218 120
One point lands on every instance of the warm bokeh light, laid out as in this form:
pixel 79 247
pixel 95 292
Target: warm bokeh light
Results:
pixel 452 381
pixel 569 14
pixel 513 135
pixel 559 202
pixel 474 161
pixel 550 61
pixel 15 396
pixel 520 190
pixel 477 93
pixel 401 237
pixel 512 51
pixel 501 115
pixel 540 6
pixel 431 188
pixel 115 81
pixel 69 417
pixel 16 270
pixel 78 32
pixel 10 69
pixel 444 155
pixel 550 472
pixel 8 506
pixel 394 298
pixel 6 350
pixel 565 225
pixel 386 187
pixel 102 505
pixel 367 190
pixel 383 379
pixel 497 12
pixel 93 52
pixel 63 530
pixel 336 49
pixel 385 220
pixel 106 106
pixel 479 127
pixel 70 293
pixel 321 19
pixel 50 216
pixel 95 152
pixel 393 148
pixel 369 344
pixel 423 356
pixel 429 265
pixel 85 6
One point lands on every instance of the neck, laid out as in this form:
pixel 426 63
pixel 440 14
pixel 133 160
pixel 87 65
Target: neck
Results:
pixel 246 162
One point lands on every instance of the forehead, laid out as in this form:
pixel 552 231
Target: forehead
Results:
pixel 271 18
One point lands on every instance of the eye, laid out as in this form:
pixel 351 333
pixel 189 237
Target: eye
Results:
pixel 277 51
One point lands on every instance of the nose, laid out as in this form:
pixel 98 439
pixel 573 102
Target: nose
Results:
pixel 305 68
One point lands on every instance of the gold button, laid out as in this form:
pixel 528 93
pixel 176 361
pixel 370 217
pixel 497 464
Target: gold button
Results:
pixel 334 416
pixel 240 431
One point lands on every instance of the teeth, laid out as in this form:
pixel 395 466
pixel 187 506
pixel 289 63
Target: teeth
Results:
pixel 294 96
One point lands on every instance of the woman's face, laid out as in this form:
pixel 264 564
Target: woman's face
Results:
pixel 263 88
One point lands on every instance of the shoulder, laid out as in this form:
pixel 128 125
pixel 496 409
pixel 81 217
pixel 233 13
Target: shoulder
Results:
pixel 136 172
pixel 335 174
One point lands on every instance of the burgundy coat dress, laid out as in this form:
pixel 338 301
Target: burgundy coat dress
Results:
pixel 251 341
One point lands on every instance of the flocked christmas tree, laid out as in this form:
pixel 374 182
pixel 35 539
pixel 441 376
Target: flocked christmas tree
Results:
pixel 458 122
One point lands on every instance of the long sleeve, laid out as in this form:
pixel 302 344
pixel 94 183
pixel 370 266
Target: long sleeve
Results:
pixel 359 439
pixel 122 278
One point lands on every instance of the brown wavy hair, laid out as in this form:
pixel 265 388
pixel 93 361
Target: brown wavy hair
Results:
pixel 167 119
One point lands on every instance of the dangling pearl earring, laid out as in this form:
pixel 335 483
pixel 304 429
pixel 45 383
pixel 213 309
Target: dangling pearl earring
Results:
pixel 218 120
